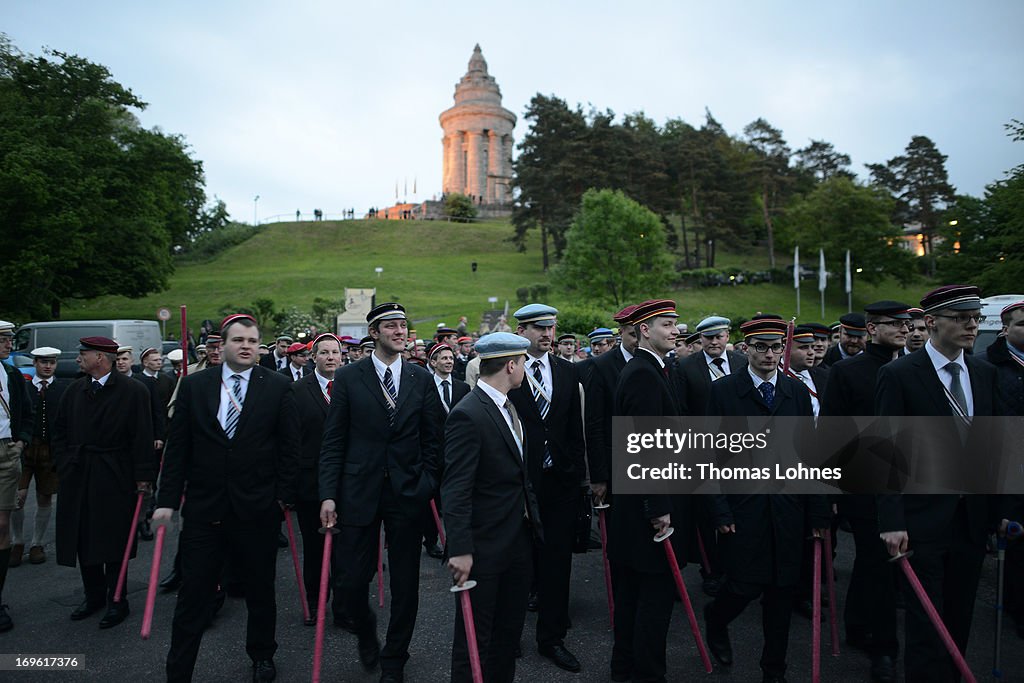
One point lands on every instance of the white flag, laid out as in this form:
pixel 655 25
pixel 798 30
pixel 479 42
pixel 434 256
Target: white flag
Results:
pixel 822 275
pixel 849 280
pixel 796 267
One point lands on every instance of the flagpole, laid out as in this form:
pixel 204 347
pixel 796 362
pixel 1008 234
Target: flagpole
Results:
pixel 796 277
pixel 822 280
pixel 849 285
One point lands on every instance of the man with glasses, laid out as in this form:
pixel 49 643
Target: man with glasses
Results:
pixel 761 535
pixel 298 355
pixel 946 532
pixel 870 611
pixel 15 433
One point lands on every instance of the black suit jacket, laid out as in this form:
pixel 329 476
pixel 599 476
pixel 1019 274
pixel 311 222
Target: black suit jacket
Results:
pixel 485 489
pixel 287 372
pixel 361 452
pixel 246 474
pixel 736 395
pixel 693 380
pixel 562 431
pixel 910 386
pixel 312 408
pixel 600 378
pixel 644 391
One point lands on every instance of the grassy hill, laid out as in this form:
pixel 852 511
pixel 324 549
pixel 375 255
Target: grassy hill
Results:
pixel 427 268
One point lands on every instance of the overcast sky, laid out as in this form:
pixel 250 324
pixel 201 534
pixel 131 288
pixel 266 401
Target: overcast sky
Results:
pixel 329 104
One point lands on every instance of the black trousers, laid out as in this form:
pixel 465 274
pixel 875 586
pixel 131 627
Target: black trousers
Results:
pixel 643 612
pixel 553 557
pixel 100 581
pixel 204 548
pixel 776 610
pixel 355 556
pixel 307 513
pixel 499 610
pixel 871 598
pixel 949 569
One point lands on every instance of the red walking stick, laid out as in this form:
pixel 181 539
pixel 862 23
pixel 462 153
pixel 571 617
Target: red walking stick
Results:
pixel 705 563
pixel 958 659
pixel 295 561
pixel 123 574
pixel 437 521
pixel 380 569
pixel 321 601
pixel 684 595
pixel 154 581
pixel 604 554
pixel 830 579
pixel 467 620
pixel 816 614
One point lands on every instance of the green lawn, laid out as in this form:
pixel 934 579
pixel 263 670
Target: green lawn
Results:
pixel 427 268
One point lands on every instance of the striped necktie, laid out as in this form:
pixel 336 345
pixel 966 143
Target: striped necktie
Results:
pixel 234 407
pixel 538 394
pixel 389 386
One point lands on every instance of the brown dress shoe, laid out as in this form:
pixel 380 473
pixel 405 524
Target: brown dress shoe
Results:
pixel 36 554
pixel 17 552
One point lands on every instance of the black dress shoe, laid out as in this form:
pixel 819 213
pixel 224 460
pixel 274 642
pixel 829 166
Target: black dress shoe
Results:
pixel 264 670
pixel 883 669
pixel 435 551
pixel 87 609
pixel 562 658
pixel 369 649
pixel 346 623
pixel 718 640
pixel 146 531
pixel 171 583
pixel 532 603
pixel 711 586
pixel 312 618
pixel 115 614
pixel 391 676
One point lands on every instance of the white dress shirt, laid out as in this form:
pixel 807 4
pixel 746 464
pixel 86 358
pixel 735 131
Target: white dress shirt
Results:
pixel 323 384
pixel 939 362
pixel 499 400
pixel 712 365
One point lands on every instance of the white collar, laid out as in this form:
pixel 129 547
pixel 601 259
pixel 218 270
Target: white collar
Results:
pixel 381 367
pixel 226 373
pixel 545 360
pixel 940 362
pixel 661 361
pixel 103 380
pixel 625 354
pixel 323 381
pixel 758 381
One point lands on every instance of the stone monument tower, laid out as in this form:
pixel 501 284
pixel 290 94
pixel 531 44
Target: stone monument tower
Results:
pixel 478 138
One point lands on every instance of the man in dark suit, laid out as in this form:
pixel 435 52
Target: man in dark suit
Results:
pixel 277 359
pixel 641 578
pixel 490 510
pixel 233 444
pixel 870 610
pixel 379 463
pixel 16 426
pixel 761 535
pixel 600 376
pixel 103 449
pixel 450 390
pixel 152 365
pixel 298 362
pixel 695 373
pixel 946 532
pixel 801 366
pixel 852 339
pixel 548 403
pixel 312 397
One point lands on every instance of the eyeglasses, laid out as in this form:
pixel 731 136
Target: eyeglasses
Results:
pixel 963 318
pixel 764 348
pixel 897 324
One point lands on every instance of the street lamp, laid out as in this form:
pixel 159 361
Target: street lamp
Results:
pixel 255 203
pixel 378 270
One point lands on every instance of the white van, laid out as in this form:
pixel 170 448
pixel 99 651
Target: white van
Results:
pixel 64 335
pixel 990 308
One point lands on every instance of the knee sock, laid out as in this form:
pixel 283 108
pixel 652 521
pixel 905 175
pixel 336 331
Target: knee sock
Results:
pixel 17 525
pixel 42 522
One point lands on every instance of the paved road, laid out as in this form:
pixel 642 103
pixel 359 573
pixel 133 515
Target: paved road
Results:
pixel 42 596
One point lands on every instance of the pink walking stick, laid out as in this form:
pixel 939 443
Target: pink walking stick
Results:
pixel 467 620
pixel 830 578
pixel 295 561
pixel 437 521
pixel 154 580
pixel 684 595
pixel 961 664
pixel 604 554
pixel 816 614
pixel 705 563
pixel 321 601
pixel 123 574
pixel 380 569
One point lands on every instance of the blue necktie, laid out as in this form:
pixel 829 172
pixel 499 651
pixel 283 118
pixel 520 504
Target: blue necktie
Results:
pixel 96 386
pixel 767 390
pixel 231 421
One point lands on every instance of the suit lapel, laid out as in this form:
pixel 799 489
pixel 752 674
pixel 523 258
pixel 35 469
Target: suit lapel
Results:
pixel 932 383
pixel 252 393
pixel 407 387
pixel 318 396
pixel 373 385
pixel 982 405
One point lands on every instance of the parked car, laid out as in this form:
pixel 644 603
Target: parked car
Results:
pixel 990 328
pixel 64 335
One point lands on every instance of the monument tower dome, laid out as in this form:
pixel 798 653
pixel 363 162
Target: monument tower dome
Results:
pixel 478 138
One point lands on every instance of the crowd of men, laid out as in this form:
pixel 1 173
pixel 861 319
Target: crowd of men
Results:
pixel 507 440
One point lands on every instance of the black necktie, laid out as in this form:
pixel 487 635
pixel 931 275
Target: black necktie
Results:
pixel 96 386
pixel 447 393
pixel 42 407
